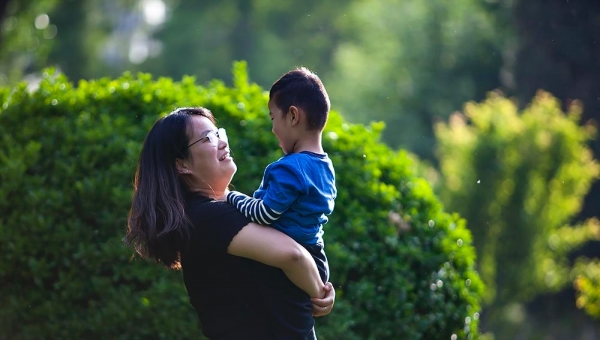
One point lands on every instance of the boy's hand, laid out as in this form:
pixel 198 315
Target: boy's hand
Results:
pixel 321 307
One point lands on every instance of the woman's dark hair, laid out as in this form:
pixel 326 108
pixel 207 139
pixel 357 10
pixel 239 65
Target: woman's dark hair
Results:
pixel 302 88
pixel 157 226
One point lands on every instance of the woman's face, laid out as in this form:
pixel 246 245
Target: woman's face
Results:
pixel 210 167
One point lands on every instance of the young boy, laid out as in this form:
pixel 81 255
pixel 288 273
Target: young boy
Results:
pixel 297 191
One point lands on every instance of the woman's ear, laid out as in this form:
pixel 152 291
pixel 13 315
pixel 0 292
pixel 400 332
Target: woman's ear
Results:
pixel 181 168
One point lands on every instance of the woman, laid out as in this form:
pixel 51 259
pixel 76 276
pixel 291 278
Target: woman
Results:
pixel 238 274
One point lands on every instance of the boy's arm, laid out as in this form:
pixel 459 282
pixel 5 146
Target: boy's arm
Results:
pixel 282 185
pixel 253 208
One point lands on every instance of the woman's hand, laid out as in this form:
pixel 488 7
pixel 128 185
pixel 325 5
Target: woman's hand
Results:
pixel 321 307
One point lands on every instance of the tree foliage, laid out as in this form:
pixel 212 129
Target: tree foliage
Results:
pixel 26 38
pixel 519 179
pixel 587 285
pixel 401 265
pixel 559 52
pixel 416 63
pixel 204 37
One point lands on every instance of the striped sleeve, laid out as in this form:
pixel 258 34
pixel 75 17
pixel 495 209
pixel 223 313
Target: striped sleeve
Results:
pixel 253 208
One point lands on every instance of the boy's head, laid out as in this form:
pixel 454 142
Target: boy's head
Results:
pixel 304 90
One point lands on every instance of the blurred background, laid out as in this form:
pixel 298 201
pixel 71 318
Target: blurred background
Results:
pixel 414 65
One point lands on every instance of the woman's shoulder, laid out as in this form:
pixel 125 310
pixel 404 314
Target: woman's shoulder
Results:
pixel 208 213
pixel 215 222
pixel 199 206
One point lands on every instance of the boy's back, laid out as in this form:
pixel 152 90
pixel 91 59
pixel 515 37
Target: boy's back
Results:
pixel 302 185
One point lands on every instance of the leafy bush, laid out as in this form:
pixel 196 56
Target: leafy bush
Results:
pixel 519 178
pixel 401 265
pixel 587 285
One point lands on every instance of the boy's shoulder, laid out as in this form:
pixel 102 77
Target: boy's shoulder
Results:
pixel 299 159
pixel 306 156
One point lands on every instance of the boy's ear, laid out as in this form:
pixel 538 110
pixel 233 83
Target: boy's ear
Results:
pixel 181 168
pixel 294 115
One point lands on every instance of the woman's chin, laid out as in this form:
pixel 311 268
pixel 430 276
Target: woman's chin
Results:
pixel 231 166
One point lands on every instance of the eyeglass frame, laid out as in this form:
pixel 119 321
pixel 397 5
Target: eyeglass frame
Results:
pixel 220 134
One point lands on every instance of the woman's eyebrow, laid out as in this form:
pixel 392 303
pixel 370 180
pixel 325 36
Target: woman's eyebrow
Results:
pixel 204 133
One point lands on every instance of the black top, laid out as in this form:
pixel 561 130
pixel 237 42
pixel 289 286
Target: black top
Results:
pixel 237 298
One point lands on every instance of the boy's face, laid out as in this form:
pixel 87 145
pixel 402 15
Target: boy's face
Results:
pixel 281 128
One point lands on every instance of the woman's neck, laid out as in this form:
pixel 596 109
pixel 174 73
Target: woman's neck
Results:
pixel 210 193
pixel 215 191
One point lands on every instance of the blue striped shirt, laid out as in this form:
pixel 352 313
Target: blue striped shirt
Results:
pixel 295 196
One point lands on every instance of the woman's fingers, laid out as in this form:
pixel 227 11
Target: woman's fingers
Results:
pixel 324 306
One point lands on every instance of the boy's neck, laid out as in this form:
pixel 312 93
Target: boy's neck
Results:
pixel 310 143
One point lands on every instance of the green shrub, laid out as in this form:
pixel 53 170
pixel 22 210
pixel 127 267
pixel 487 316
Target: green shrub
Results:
pixel 519 178
pixel 402 267
pixel 587 285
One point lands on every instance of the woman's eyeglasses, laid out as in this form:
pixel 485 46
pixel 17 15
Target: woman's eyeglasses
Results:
pixel 213 137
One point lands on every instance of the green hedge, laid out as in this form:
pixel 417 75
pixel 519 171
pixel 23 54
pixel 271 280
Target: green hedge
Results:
pixel 402 267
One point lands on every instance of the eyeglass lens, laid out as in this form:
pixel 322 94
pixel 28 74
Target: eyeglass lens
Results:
pixel 214 136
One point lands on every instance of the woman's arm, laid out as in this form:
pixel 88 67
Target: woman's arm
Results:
pixel 274 248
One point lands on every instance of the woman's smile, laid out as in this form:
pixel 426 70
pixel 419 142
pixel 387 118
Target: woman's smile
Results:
pixel 225 156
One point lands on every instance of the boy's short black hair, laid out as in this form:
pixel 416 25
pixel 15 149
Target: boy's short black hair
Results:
pixel 302 88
